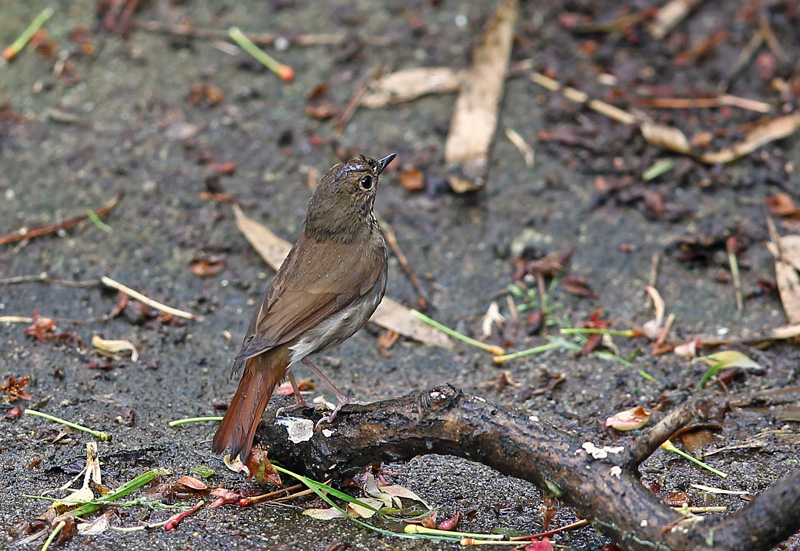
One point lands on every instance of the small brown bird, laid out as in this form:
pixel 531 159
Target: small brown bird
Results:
pixel 326 289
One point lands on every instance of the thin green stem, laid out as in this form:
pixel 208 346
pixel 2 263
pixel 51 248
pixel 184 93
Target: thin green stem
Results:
pixel 669 446
pixel 522 353
pixel 493 349
pixel 657 169
pixel 53 535
pixel 418 529
pixel 283 71
pixel 593 331
pixel 16 47
pixel 104 436
pixel 316 487
pixel 97 222
pixel 125 489
pixel 193 420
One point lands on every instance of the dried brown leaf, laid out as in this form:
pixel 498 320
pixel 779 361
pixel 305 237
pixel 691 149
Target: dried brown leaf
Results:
pixel 412 179
pixel 630 419
pixel 776 129
pixel 411 84
pixel 207 266
pixel 665 137
pixel 781 204
pixel 114 346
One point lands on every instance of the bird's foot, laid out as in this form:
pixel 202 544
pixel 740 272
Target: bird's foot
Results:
pixel 301 403
pixel 342 401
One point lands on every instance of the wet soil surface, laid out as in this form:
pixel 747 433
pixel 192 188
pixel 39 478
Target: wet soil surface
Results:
pixel 124 119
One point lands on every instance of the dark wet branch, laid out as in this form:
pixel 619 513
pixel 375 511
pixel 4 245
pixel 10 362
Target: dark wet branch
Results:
pixel 605 491
pixel 644 446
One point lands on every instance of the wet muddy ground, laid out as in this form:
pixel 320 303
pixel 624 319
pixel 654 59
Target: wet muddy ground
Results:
pixel 123 119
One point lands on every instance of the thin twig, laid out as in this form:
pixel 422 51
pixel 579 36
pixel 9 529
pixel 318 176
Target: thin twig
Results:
pixel 742 60
pixel 391 239
pixel 268 496
pixel 24 233
pixel 733 261
pixel 355 101
pixel 44 278
pixel 577 524
pixel 108 282
pixel 769 37
pixel 655 259
pixel 572 94
pixel 262 39
pixel 646 444
pixel 723 100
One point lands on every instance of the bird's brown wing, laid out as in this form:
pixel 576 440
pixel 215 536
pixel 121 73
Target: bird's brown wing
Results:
pixel 293 304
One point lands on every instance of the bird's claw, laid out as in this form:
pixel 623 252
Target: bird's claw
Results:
pixel 330 417
pixel 298 405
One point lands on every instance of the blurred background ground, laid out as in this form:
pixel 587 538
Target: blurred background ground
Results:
pixel 149 114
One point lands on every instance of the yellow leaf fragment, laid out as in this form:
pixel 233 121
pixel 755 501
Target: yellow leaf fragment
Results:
pixel 730 358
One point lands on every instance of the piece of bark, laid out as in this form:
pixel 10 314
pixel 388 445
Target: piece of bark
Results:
pixel 389 315
pixel 474 121
pixel 604 490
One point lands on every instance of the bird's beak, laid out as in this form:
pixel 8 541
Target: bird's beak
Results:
pixel 383 163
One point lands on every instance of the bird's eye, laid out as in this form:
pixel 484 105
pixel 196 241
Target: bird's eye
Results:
pixel 366 182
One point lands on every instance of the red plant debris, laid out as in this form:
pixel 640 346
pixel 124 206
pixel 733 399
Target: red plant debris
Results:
pixel 15 391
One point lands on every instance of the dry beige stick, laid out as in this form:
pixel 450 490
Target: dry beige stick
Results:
pixel 745 103
pixel 15 319
pixel 389 315
pixel 610 111
pixel 108 282
pixel 669 15
pixel 665 137
pixel 524 148
pixel 695 103
pixel 474 121
pixel 673 139
pixel 655 259
pixel 737 280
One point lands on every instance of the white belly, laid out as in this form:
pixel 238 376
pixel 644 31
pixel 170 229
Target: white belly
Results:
pixel 339 327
